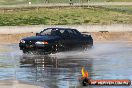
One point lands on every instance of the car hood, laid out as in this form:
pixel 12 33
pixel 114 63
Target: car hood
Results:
pixel 40 38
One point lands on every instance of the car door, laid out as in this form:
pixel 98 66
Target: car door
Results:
pixel 67 39
pixel 77 38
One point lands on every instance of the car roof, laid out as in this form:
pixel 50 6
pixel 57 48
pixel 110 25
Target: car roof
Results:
pixel 61 28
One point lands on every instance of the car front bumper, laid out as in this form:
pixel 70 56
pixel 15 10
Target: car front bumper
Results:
pixel 30 47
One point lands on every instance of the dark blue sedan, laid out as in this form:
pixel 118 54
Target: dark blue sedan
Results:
pixel 54 40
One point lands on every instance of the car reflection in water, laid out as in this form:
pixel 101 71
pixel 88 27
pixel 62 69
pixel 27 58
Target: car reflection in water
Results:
pixel 53 71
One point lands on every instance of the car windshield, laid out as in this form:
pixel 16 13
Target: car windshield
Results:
pixel 53 32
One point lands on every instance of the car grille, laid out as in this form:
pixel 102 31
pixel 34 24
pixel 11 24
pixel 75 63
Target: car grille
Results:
pixel 30 42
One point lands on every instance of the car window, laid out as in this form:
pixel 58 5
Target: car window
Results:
pixel 76 33
pixel 67 33
pixel 55 32
pixel 62 31
pixel 46 32
pixel 71 33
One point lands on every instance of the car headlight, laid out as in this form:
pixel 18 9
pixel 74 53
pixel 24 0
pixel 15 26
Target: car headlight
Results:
pixel 41 42
pixel 22 41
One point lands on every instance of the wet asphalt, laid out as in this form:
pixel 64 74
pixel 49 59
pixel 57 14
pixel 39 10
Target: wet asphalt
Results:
pixel 105 60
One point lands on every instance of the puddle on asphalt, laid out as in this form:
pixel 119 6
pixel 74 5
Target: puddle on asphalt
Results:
pixel 109 60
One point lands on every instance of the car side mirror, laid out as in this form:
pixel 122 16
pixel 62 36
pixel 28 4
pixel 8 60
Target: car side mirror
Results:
pixel 37 34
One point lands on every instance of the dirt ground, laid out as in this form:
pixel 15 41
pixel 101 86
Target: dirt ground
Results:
pixel 112 36
pixel 13 38
pixel 97 36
